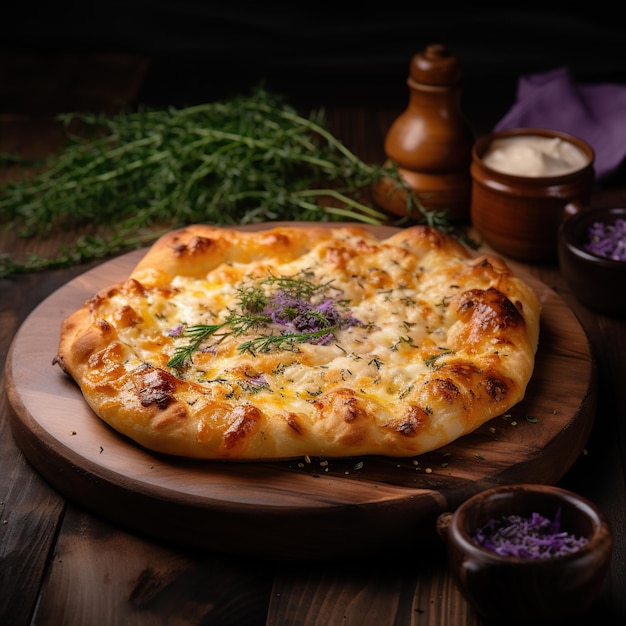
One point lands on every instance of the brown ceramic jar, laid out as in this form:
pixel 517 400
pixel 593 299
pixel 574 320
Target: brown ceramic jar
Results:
pixel 431 141
pixel 519 215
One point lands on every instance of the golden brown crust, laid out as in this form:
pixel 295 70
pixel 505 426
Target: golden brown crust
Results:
pixel 439 342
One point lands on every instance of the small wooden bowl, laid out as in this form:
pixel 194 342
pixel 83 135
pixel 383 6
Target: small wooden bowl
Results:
pixel 519 216
pixel 597 281
pixel 514 590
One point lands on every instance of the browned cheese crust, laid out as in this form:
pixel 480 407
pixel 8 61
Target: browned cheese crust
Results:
pixel 429 343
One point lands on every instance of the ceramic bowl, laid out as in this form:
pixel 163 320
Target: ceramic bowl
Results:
pixel 518 215
pixel 513 590
pixel 597 281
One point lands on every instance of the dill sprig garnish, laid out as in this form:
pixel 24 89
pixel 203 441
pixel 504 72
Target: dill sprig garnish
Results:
pixel 289 309
pixel 123 180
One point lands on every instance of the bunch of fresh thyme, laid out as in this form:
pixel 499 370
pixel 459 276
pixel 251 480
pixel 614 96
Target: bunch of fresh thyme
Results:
pixel 124 180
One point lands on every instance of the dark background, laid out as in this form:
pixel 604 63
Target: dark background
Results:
pixel 323 52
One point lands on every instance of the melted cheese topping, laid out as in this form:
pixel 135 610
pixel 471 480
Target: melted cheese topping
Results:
pixel 402 306
pixel 444 342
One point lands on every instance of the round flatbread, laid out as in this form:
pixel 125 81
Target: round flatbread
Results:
pixel 304 341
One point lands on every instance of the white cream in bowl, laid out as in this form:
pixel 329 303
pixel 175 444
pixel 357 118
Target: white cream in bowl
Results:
pixel 535 156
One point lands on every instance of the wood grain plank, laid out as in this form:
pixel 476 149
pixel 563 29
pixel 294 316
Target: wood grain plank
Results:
pixel 370 593
pixel 30 514
pixel 101 575
pixel 30 509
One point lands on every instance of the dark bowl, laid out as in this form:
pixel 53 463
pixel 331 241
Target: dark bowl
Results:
pixel 596 281
pixel 513 590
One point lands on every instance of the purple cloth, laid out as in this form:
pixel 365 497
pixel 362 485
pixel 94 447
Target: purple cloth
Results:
pixel 593 112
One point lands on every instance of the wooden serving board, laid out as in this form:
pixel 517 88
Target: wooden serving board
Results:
pixel 320 509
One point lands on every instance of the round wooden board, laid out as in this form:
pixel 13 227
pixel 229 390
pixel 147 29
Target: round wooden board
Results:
pixel 312 510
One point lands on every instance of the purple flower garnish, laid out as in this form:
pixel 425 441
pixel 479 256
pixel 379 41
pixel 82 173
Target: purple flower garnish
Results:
pixel 177 331
pixel 608 240
pixel 290 311
pixel 254 383
pixel 301 316
pixel 534 537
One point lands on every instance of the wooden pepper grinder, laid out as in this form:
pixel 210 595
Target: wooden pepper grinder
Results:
pixel 431 142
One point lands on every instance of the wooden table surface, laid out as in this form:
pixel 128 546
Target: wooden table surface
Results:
pixel 61 564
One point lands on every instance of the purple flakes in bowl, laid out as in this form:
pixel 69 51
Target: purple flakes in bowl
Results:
pixel 528 537
pixel 608 240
